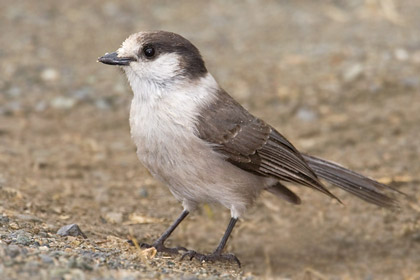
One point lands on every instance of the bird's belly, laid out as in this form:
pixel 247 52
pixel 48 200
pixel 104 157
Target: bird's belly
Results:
pixel 189 166
pixel 195 173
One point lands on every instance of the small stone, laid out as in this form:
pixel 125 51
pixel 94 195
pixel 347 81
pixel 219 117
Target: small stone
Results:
pixel 102 104
pixel 353 72
pixel 62 102
pixel 4 220
pixel 46 259
pixel 49 75
pixel 23 239
pixel 14 225
pixel 13 251
pixel 82 94
pixel 14 92
pixel 41 106
pixel 44 248
pixel 143 192
pixel 306 115
pixel 28 218
pixel 71 230
pixel 401 54
pixel 114 217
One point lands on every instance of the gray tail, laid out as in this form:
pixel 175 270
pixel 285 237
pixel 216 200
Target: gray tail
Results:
pixel 352 182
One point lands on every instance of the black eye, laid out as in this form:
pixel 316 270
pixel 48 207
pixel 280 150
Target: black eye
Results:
pixel 149 51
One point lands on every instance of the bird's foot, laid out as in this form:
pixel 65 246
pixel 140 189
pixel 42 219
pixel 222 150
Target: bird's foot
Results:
pixel 161 248
pixel 213 257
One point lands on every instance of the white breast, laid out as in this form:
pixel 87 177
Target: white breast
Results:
pixel 163 129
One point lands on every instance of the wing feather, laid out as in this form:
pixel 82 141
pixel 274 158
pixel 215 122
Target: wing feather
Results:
pixel 251 144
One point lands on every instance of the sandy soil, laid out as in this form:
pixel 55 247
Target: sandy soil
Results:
pixel 339 78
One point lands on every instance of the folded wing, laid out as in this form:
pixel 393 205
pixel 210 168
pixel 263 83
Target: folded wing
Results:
pixel 251 144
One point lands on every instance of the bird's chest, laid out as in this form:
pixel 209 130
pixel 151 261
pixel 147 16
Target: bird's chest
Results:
pixel 164 139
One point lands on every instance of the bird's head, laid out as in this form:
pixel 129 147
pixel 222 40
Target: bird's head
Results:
pixel 157 57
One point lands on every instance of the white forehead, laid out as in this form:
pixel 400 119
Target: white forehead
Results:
pixel 133 41
pixel 131 45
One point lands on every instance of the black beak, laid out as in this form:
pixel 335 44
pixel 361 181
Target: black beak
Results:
pixel 113 59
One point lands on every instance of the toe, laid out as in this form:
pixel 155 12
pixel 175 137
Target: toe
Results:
pixel 189 254
pixel 145 246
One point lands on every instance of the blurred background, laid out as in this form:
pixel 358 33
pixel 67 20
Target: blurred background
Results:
pixel 340 79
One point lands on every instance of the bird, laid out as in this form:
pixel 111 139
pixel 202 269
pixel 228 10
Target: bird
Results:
pixel 207 148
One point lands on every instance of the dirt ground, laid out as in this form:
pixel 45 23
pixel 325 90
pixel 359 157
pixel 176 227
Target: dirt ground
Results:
pixel 340 79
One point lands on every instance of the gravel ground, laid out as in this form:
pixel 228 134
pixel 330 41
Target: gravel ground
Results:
pixel 339 78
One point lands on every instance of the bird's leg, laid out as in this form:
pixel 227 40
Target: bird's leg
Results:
pixel 217 254
pixel 159 243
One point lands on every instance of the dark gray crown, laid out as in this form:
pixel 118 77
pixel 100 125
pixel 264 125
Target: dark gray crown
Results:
pixel 167 42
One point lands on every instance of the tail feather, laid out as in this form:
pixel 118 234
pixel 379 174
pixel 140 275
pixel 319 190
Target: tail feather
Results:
pixel 282 191
pixel 352 182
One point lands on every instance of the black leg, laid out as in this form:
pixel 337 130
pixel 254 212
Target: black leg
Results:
pixel 217 254
pixel 225 237
pixel 159 243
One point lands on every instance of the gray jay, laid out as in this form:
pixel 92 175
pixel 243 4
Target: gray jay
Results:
pixel 201 143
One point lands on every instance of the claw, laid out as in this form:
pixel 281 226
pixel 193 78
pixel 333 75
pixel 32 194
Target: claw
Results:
pixel 145 245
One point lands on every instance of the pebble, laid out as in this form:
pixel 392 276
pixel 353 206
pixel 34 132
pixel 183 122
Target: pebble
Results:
pixel 71 230
pixel 49 75
pixel 143 192
pixel 14 91
pixel 4 220
pixel 29 218
pixel 14 225
pixel 44 248
pixel 13 251
pixel 102 104
pixel 82 94
pixel 306 115
pixel 114 217
pixel 352 72
pixel 23 238
pixel 40 106
pixel 46 259
pixel 401 54
pixel 62 102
